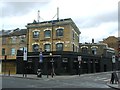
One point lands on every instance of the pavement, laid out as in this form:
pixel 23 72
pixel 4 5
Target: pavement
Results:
pixel 33 76
pixel 115 86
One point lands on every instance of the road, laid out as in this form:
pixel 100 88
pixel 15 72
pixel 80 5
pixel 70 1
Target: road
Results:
pixel 84 81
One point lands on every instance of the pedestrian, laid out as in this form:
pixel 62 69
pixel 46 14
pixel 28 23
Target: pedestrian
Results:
pixel 119 76
pixel 116 77
pixel 112 78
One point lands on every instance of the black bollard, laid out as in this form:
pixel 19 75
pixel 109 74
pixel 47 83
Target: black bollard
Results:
pixel 9 73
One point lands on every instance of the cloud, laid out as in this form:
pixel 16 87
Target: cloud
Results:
pixel 90 16
pixel 19 8
pixel 94 21
pixel 98 33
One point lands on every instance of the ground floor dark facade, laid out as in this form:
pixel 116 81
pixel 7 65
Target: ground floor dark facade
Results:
pixel 63 63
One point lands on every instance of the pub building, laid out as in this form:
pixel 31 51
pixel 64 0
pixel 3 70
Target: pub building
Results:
pixel 53 46
pixel 62 53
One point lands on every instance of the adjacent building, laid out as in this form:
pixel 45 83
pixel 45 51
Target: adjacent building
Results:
pixel 97 56
pixel 112 42
pixel 12 40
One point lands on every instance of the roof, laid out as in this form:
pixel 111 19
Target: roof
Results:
pixel 15 32
pixel 36 24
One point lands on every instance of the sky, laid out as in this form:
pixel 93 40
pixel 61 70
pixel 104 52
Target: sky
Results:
pixel 96 19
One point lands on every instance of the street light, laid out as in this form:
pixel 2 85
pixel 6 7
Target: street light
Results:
pixel 52 64
pixel 51 54
pixel 39 72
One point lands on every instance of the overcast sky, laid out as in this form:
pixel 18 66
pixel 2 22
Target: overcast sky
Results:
pixel 96 19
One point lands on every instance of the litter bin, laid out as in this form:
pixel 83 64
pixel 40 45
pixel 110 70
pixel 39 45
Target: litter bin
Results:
pixel 39 73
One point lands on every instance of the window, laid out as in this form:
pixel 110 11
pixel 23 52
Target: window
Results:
pixel 13 51
pixel 73 35
pixel 73 47
pixel 47 47
pixel 13 39
pixel 36 34
pixel 21 48
pixel 35 48
pixel 59 47
pixel 22 38
pixel 84 50
pixel 47 33
pixel 59 32
pixel 3 51
pixel 94 51
pixel 3 40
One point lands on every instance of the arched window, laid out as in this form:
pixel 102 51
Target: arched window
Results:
pixel 59 32
pixel 47 47
pixel 36 34
pixel 84 50
pixel 59 47
pixel 47 34
pixel 94 50
pixel 35 48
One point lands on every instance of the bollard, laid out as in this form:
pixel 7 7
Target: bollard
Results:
pixel 9 73
pixel 39 73
pixel 47 74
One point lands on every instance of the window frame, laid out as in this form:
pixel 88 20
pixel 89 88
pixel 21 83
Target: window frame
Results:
pixel 61 48
pixel 45 33
pixel 59 31
pixel 13 51
pixel 33 48
pixel 46 48
pixel 37 35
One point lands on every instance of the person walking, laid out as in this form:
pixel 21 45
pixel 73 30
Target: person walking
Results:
pixel 112 78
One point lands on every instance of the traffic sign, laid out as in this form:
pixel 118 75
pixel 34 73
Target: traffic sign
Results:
pixel 79 58
pixel 113 59
pixel 41 57
pixel 25 54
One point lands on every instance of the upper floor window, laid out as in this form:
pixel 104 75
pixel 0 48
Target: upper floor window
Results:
pixel 47 47
pixel 13 51
pixel 59 47
pixel 35 48
pixel 94 50
pixel 3 40
pixel 22 38
pixel 3 51
pixel 14 39
pixel 59 32
pixel 36 34
pixel 47 33
pixel 84 50
pixel 73 35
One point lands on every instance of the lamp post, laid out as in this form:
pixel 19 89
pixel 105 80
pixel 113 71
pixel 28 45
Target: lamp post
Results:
pixel 39 72
pixel 51 54
pixel 52 64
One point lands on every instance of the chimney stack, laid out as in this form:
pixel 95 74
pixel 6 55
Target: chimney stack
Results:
pixel 92 40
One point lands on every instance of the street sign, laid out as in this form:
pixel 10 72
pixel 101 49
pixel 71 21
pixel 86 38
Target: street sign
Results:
pixel 79 58
pixel 25 54
pixel 113 59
